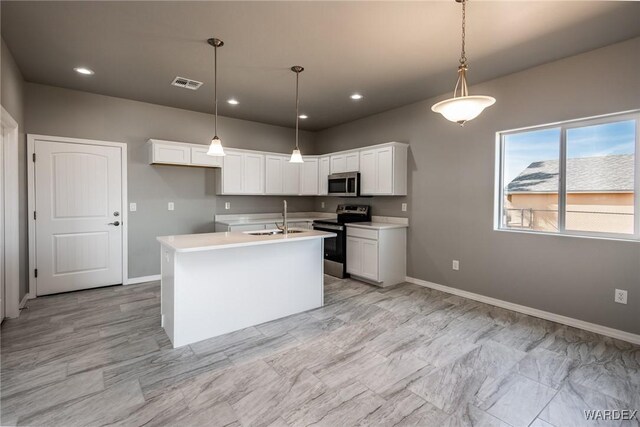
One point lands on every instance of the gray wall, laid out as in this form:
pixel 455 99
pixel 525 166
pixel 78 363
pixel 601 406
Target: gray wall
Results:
pixel 451 191
pixel 62 112
pixel 12 94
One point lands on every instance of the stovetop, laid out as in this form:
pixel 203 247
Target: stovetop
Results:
pixel 348 213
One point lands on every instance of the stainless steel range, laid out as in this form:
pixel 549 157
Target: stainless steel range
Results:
pixel 335 248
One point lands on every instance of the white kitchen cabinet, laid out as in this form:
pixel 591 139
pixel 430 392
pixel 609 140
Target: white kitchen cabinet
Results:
pixel 273 174
pixel 281 176
pixel 199 157
pixel 377 256
pixel 183 154
pixel 242 173
pixel 345 162
pixel 291 173
pixel 383 170
pixel 324 169
pixel 309 176
pixel 169 152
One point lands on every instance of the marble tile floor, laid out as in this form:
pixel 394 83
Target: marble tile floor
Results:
pixel 402 356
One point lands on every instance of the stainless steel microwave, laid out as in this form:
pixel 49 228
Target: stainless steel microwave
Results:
pixel 345 184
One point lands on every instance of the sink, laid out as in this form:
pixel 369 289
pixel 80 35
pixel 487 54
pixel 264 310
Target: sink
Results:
pixel 272 232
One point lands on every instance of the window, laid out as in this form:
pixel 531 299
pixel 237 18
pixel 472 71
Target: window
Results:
pixel 577 178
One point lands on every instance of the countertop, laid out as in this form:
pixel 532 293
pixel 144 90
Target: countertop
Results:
pixel 212 241
pixel 377 225
pixel 265 220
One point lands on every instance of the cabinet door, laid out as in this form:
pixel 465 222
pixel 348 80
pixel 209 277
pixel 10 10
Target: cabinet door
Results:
pixel 232 175
pixel 309 177
pixel 354 256
pixel 199 157
pixel 384 170
pixel 338 163
pixel 323 176
pixel 273 174
pixel 253 173
pixel 171 153
pixel 291 178
pixel 352 162
pixel 369 259
pixel 368 173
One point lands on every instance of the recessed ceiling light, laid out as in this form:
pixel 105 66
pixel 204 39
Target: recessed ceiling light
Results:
pixel 303 116
pixel 233 101
pixel 356 96
pixel 84 70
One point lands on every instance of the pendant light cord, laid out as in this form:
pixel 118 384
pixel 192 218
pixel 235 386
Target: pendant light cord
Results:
pixel 215 89
pixel 297 104
pixel 462 68
pixel 463 54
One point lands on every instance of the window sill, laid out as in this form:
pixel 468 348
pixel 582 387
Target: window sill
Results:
pixel 632 239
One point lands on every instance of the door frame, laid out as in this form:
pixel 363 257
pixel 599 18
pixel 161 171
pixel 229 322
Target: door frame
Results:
pixel 31 144
pixel 11 216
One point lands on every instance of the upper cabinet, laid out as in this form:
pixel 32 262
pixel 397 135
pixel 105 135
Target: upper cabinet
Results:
pixel 179 153
pixel 283 177
pixel 324 169
pixel 348 161
pixel 242 172
pixel 383 170
pixel 309 176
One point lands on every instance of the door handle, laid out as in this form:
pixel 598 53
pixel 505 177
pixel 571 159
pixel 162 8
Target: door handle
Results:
pixel 116 223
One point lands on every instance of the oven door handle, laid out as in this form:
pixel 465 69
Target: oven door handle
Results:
pixel 328 227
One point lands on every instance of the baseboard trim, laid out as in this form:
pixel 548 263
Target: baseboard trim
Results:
pixel 143 279
pixel 569 321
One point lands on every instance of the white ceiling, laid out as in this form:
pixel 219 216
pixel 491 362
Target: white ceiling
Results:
pixel 394 53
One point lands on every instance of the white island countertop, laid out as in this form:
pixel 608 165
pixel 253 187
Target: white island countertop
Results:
pixel 211 241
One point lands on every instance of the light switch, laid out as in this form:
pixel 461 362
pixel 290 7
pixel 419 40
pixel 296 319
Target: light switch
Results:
pixel 404 207
pixel 227 205
pixel 133 207
pixel 170 206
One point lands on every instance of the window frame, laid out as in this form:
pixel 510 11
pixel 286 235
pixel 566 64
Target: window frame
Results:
pixel 564 126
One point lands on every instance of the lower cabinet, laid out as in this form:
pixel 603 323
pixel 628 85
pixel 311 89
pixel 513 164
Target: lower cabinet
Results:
pixel 378 256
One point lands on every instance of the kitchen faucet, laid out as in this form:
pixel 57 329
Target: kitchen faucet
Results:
pixel 285 223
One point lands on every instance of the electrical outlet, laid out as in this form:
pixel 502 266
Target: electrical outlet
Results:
pixel 404 207
pixel 620 296
pixel 133 207
pixel 455 265
pixel 322 205
pixel 170 206
pixel 227 205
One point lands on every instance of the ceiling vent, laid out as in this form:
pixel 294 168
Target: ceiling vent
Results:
pixel 186 83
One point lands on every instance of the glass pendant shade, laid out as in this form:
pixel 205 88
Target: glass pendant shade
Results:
pixel 296 157
pixel 463 108
pixel 215 148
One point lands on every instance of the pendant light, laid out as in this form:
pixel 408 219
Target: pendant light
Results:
pixel 463 107
pixel 296 156
pixel 215 148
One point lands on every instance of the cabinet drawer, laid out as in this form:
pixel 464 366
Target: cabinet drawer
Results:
pixel 199 157
pixel 362 232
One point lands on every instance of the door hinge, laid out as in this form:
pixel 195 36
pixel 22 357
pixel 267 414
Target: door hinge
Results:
pixel 34 157
pixel 34 214
pixel 35 272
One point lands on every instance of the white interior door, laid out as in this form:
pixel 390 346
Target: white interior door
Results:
pixel 78 195
pixel 2 241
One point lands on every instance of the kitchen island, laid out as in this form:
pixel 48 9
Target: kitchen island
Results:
pixel 216 283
